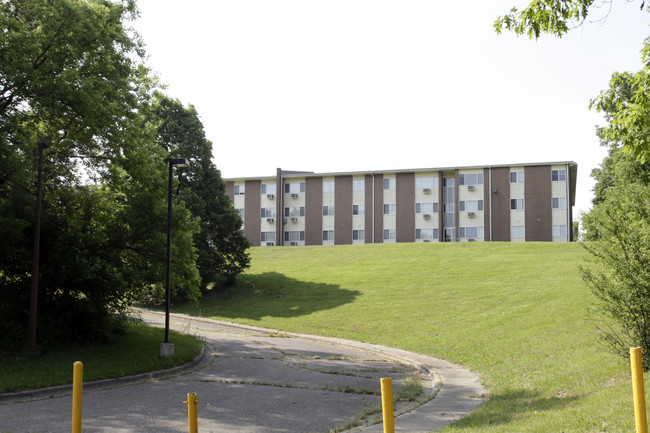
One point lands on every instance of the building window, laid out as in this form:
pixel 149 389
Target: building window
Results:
pixel 296 236
pixel 426 234
pixel 328 235
pixel 240 189
pixel 267 236
pixel 358 209
pixel 389 209
pixel 430 182
pixel 559 202
pixel 517 203
pixel 328 186
pixel 516 177
pixel 389 183
pixel 559 231
pixel 389 234
pixel 558 175
pixel 426 208
pixel 470 179
pixel 294 188
pixel 268 188
pixel 470 205
pixel 517 232
pixel 328 210
pixel 294 211
pixel 358 235
pixel 471 232
pixel 267 212
pixel 241 213
pixel 358 185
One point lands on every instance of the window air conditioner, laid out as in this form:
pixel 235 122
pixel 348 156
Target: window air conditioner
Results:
pixel 270 244
pixel 270 196
pixel 471 214
pixel 269 220
pixel 426 216
pixel 426 190
pixel 471 187
pixel 426 240
pixel 294 219
pixel 294 195
pixel 284 220
pixel 294 244
pixel 471 240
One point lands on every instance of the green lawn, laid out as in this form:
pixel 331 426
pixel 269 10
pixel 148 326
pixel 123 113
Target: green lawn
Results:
pixel 137 351
pixel 515 313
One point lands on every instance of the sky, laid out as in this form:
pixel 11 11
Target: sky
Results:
pixel 358 85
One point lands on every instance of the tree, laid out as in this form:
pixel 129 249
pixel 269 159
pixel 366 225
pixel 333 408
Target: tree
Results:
pixel 554 17
pixel 220 242
pixel 71 70
pixel 618 271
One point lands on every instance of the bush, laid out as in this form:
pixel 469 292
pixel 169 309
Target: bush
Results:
pixel 618 272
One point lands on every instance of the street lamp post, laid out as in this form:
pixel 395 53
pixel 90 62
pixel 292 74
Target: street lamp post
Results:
pixel 167 348
pixel 43 143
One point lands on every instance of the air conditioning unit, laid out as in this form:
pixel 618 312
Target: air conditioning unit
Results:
pixel 294 219
pixel 426 216
pixel 471 240
pixel 270 220
pixel 270 244
pixel 426 190
pixel 426 240
pixel 294 195
pixel 270 196
pixel 471 187
pixel 471 214
pixel 294 244
pixel 284 220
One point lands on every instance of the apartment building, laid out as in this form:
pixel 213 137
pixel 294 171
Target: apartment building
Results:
pixel 511 203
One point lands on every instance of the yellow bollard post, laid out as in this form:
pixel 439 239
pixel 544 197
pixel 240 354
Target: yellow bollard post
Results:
pixel 638 392
pixel 387 405
pixel 192 403
pixel 77 387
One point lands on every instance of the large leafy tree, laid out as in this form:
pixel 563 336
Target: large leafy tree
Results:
pixel 220 242
pixel 72 70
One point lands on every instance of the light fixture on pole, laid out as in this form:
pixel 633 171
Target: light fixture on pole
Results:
pixel 167 348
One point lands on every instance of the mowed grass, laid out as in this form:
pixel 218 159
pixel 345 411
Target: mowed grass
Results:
pixel 137 351
pixel 515 313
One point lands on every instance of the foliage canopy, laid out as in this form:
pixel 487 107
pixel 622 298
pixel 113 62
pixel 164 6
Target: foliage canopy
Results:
pixel 73 70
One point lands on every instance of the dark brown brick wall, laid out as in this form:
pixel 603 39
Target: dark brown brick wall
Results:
pixel 405 207
pixel 230 190
pixel 537 192
pixel 252 204
pixel 343 210
pixel 314 211
pixel 500 204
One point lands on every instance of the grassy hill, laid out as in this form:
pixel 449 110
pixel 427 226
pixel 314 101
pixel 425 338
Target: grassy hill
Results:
pixel 515 313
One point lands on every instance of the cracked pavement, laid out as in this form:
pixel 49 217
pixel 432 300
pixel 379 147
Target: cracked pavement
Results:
pixel 258 380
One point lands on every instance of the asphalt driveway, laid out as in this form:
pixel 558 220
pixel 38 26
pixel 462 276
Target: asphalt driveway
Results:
pixel 258 380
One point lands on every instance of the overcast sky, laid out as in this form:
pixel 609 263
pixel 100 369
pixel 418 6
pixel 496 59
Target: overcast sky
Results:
pixel 355 85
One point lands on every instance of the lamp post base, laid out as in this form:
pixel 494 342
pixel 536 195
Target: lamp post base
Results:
pixel 166 349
